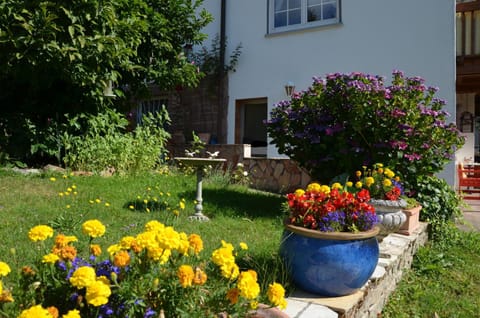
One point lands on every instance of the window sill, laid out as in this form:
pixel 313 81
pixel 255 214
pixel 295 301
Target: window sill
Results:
pixel 303 29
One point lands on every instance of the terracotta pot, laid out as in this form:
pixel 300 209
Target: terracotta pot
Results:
pixel 412 222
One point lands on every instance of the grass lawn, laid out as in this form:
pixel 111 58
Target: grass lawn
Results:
pixel 444 279
pixel 237 214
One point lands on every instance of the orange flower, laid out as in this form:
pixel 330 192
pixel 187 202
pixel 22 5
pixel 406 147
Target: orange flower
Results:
pixel 196 243
pixel 185 275
pixel 95 249
pixel 53 311
pixel 232 295
pixel 121 259
pixel 68 253
pixel 200 276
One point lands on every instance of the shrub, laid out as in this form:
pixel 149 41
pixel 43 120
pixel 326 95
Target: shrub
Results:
pixel 97 142
pixel 440 203
pixel 345 121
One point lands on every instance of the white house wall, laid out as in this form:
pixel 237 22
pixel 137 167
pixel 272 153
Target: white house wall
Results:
pixel 374 36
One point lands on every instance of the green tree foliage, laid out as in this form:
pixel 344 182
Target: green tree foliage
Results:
pixel 56 57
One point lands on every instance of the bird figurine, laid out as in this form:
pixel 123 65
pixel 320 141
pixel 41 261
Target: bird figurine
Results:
pixel 189 154
pixel 212 155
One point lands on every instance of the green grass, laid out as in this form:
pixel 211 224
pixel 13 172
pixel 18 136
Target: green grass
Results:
pixel 237 214
pixel 444 280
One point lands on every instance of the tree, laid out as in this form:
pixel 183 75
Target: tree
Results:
pixel 56 57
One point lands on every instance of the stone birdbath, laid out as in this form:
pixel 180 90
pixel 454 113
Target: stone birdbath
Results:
pixel 199 164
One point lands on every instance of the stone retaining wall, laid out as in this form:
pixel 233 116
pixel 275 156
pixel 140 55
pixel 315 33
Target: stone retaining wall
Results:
pixel 396 256
pixel 279 175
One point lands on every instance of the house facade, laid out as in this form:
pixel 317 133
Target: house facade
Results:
pixel 468 78
pixel 288 42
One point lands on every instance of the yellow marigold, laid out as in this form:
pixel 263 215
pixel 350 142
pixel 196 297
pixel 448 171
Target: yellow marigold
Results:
pixel 82 277
pixel 146 239
pixel 276 295
pixel 50 258
pixel 369 181
pixel 243 246
pixel 121 259
pixel 183 244
pixel 185 275
pixel 126 242
pixel 53 311
pixel 154 225
pixel 358 184
pixel 230 271
pixel 72 314
pixel 387 182
pixel 337 185
pixel 397 178
pixel 389 173
pixel 40 233
pixel 200 276
pixel 349 184
pixel 248 286
pixel 223 255
pixel 35 312
pixel 1 286
pixel 313 187
pixel 6 297
pixel 95 250
pixel 380 170
pixel 358 173
pixel 253 304
pixel 62 240
pixel 112 249
pixel 299 192
pixel 93 228
pixel 232 295
pixel 325 189
pixel 159 254
pixel 168 238
pixel 97 293
pixel 196 243
pixel 4 269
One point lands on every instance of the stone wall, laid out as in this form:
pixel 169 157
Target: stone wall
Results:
pixel 279 175
pixel 396 256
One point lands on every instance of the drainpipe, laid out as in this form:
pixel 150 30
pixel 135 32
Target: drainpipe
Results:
pixel 222 101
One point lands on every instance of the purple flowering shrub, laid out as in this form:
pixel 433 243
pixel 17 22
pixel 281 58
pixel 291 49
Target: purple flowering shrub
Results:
pixel 345 121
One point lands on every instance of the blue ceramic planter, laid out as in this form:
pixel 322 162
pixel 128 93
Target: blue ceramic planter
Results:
pixel 329 264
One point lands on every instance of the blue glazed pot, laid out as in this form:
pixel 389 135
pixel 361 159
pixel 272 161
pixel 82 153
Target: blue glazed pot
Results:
pixel 329 264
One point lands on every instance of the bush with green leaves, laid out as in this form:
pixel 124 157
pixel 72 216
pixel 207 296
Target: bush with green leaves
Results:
pixel 345 121
pixel 440 203
pixel 99 142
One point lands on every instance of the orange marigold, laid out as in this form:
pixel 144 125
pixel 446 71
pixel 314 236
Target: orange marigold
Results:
pixel 121 259
pixel 200 276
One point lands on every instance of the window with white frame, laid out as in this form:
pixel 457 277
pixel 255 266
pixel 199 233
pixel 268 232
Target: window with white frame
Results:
pixel 286 15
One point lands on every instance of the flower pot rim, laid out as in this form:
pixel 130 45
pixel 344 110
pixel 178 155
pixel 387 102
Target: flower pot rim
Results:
pixel 400 203
pixel 343 236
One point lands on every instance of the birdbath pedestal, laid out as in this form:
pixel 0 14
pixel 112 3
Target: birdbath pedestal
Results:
pixel 199 164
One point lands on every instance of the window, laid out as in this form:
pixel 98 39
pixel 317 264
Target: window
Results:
pixel 286 15
pixel 150 106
